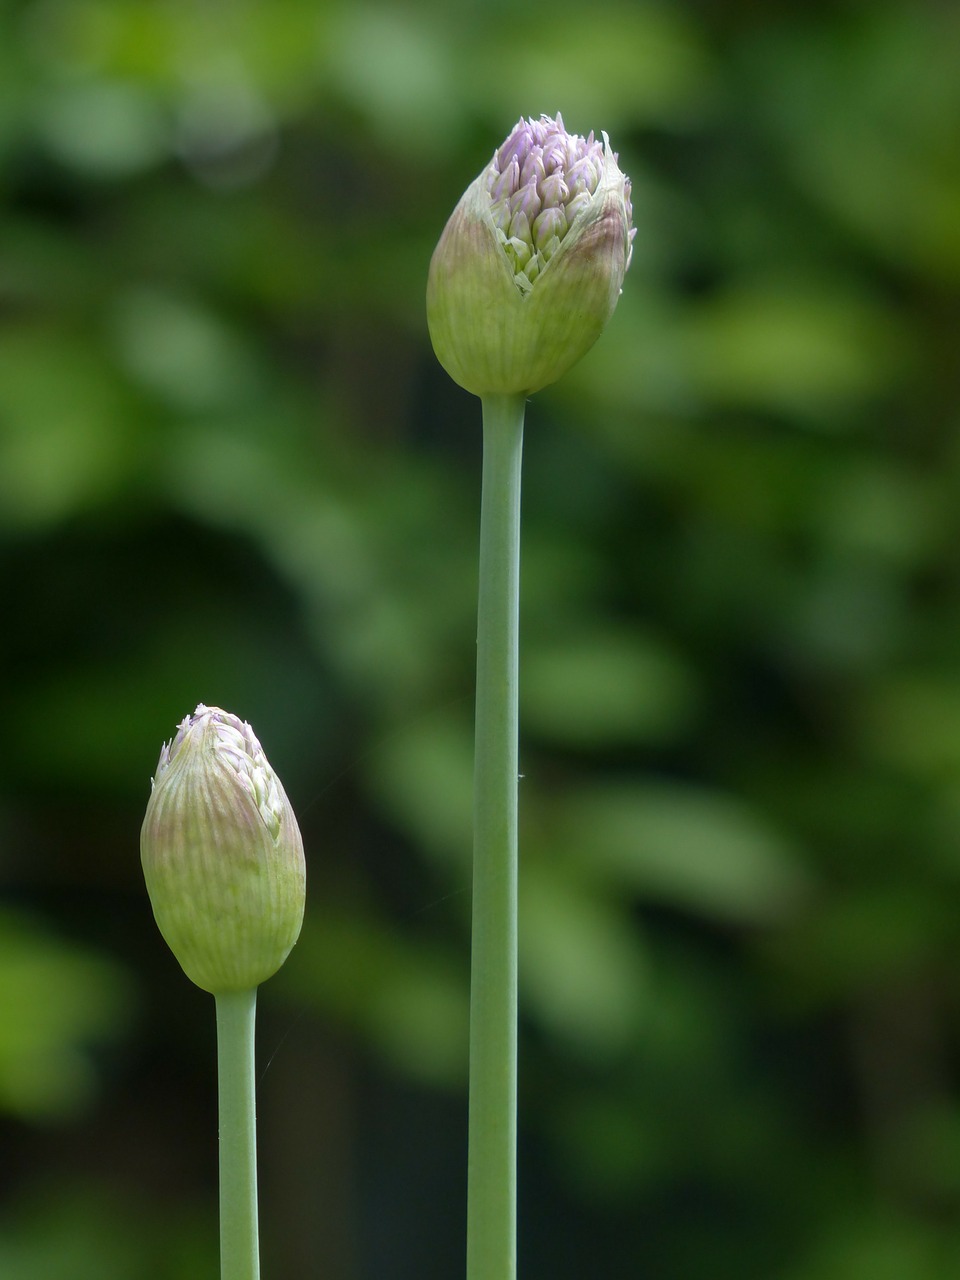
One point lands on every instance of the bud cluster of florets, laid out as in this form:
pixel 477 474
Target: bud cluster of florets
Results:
pixel 538 182
pixel 529 266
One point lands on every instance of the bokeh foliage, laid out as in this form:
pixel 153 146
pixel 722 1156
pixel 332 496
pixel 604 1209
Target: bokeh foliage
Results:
pixel 231 471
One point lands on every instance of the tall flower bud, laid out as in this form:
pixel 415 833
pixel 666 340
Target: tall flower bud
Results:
pixel 222 855
pixel 530 265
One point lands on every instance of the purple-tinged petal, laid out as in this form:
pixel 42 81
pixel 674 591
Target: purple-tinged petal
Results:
pixel 554 190
pixel 552 222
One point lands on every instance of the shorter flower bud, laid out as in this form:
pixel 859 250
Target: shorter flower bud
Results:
pixel 530 265
pixel 222 855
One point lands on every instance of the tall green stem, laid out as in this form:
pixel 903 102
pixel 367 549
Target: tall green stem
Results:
pixel 239 1234
pixel 492 1160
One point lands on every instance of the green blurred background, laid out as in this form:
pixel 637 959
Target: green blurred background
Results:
pixel 231 471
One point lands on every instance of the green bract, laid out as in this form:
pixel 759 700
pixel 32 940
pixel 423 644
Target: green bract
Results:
pixel 222 855
pixel 530 265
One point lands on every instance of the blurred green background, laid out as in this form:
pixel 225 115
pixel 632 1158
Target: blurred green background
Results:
pixel 232 471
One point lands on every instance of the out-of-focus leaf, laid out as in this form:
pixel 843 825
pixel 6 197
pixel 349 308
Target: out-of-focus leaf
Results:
pixel 410 1002
pixel 912 720
pixel 100 1232
pixel 182 353
pixel 866 119
pixel 605 688
pixel 793 348
pixel 654 67
pixel 582 965
pixel 867 1246
pixel 701 851
pixel 424 773
pixel 57 1003
pixel 392 63
pixel 109 130
pixel 65 427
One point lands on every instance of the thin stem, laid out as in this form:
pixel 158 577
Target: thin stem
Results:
pixel 492 1160
pixel 239 1233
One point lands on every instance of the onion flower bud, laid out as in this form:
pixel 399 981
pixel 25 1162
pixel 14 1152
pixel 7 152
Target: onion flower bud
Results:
pixel 530 265
pixel 222 855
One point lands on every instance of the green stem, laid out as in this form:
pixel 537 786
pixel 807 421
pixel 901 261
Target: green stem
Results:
pixel 239 1234
pixel 492 1160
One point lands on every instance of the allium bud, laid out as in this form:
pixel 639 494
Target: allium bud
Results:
pixel 530 265
pixel 222 855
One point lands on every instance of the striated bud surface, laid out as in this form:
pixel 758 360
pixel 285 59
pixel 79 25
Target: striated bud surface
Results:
pixel 530 265
pixel 222 855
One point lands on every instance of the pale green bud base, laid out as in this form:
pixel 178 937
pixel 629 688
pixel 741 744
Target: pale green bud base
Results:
pixel 492 1160
pixel 236 1082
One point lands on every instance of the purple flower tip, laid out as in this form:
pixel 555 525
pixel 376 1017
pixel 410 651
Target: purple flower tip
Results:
pixel 542 168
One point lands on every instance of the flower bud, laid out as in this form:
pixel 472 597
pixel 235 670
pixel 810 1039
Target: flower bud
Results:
pixel 222 855
pixel 530 265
